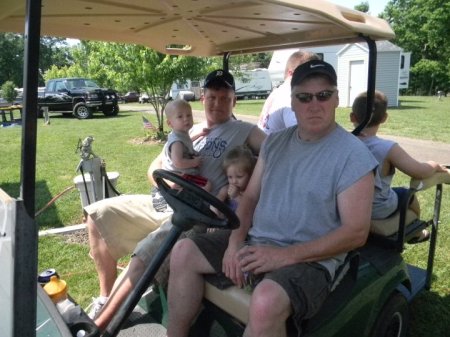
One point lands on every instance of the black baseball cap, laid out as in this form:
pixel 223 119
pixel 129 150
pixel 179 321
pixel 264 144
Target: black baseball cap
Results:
pixel 219 78
pixel 313 67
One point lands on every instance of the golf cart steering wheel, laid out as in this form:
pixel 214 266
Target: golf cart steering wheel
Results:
pixel 191 204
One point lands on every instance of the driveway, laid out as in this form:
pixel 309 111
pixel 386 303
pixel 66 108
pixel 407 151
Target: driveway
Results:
pixel 421 150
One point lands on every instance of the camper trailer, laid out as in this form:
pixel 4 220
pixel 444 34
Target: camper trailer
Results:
pixel 189 90
pixel 253 84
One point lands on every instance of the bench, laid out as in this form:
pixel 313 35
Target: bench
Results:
pixel 10 110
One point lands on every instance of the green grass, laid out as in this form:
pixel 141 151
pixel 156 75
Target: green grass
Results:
pixel 116 141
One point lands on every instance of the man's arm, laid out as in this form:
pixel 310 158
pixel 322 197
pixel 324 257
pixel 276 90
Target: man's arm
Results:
pixel 355 207
pixel 255 139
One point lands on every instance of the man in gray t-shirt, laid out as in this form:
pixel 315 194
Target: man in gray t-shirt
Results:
pixel 117 224
pixel 308 201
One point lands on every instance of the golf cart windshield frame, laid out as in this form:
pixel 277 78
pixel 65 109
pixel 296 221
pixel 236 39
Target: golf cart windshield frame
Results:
pixel 25 240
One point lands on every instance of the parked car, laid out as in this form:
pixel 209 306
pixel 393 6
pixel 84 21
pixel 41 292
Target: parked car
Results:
pixel 144 98
pixel 130 97
pixel 78 96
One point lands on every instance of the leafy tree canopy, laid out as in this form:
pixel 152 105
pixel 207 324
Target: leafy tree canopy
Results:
pixel 53 51
pixel 363 7
pixel 422 27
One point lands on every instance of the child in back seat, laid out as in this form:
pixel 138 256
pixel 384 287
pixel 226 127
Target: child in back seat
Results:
pixel 390 156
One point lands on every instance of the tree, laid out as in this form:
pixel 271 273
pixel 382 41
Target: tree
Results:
pixel 53 51
pixel 428 77
pixel 9 92
pixel 363 7
pixel 421 26
pixel 11 58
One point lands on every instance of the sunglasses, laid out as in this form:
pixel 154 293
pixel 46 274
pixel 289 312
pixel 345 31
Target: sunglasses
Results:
pixel 322 96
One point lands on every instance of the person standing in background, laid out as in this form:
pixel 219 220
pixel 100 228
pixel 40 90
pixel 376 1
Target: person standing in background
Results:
pixel 277 114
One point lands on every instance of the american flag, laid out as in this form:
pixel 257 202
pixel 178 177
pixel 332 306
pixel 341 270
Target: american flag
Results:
pixel 147 123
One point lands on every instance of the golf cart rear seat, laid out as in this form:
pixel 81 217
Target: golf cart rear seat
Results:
pixel 404 225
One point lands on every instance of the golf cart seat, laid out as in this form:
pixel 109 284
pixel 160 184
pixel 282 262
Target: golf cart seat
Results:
pixel 404 224
pixel 236 301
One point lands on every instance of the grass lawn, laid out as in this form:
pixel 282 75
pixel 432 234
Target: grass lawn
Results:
pixel 416 117
pixel 118 142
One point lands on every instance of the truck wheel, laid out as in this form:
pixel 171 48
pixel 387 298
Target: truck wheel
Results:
pixel 81 111
pixel 113 111
pixel 393 318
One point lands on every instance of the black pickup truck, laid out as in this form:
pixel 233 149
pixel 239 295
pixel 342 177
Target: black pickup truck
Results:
pixel 78 96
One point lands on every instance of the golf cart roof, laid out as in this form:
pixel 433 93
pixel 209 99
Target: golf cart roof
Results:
pixel 200 27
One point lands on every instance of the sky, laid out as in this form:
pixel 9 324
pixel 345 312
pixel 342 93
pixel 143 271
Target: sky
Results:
pixel 375 6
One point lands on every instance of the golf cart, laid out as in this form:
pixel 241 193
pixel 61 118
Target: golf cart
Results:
pixel 374 285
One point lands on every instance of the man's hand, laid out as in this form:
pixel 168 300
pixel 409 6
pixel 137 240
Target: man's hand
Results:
pixel 230 264
pixel 261 258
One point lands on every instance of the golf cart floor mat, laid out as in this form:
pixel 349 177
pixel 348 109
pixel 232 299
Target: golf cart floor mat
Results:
pixel 140 325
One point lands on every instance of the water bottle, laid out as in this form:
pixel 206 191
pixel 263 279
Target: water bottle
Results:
pixel 57 290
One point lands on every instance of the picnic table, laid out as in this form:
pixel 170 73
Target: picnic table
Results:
pixel 10 110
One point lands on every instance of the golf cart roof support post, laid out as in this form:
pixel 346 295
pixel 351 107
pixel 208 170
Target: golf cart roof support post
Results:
pixel 26 233
pixel 226 61
pixel 371 82
pixel 30 80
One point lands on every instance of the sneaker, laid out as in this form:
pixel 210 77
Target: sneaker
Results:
pixel 96 306
pixel 422 237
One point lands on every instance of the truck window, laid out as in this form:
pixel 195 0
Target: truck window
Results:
pixel 60 86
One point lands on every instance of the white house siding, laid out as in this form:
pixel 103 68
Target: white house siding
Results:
pixel 388 68
pixel 347 55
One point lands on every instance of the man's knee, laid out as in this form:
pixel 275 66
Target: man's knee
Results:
pixel 269 299
pixel 183 253
pixel 136 268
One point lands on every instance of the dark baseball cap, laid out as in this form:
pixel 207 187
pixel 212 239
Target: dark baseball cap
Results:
pixel 313 67
pixel 219 78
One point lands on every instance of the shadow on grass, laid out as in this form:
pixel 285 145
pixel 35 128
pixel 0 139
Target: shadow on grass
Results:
pixel 404 106
pixel 43 196
pixel 96 115
pixel 429 314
